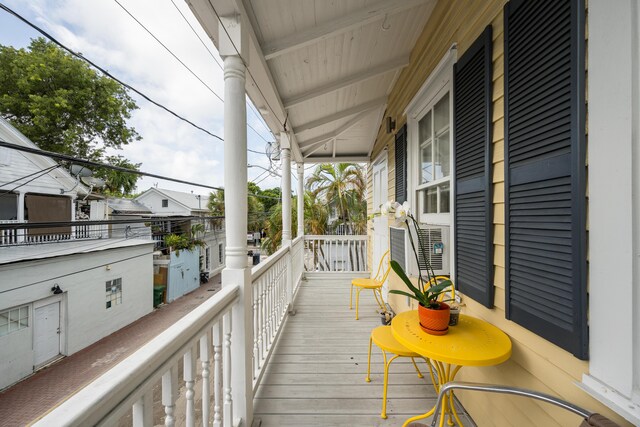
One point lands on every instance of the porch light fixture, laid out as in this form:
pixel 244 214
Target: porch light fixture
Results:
pixel 56 289
pixel 391 125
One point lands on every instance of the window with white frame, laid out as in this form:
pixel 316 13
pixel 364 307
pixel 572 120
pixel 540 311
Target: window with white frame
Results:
pixel 220 253
pixel 434 145
pixel 113 292
pixel 14 320
pixel 165 203
pixel 207 258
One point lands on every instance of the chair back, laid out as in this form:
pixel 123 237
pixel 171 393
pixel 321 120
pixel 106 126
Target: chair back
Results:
pixel 438 279
pixel 383 273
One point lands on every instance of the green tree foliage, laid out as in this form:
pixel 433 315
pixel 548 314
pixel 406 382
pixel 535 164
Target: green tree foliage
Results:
pixel 315 221
pixel 119 183
pixel 255 212
pixel 63 105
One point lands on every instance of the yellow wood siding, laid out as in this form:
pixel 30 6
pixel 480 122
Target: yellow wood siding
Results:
pixel 536 363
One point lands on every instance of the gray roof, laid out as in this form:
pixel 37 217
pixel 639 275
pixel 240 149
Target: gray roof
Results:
pixel 10 254
pixel 127 206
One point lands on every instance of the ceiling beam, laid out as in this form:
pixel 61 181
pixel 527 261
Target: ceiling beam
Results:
pixel 318 148
pixel 338 26
pixel 339 159
pixel 347 81
pixel 367 106
pixel 331 135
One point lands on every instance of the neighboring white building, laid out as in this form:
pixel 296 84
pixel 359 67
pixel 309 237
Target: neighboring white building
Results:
pixel 163 202
pixel 174 203
pixel 37 189
pixel 61 288
pixel 105 285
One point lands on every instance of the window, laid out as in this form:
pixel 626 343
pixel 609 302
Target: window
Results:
pixel 165 203
pixel 434 151
pixel 114 292
pixel 220 253
pixel 207 258
pixel 14 320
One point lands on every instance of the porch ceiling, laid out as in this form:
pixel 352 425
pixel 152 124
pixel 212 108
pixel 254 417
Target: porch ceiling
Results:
pixel 325 68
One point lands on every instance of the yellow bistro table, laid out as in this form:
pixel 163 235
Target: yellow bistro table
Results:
pixel 472 342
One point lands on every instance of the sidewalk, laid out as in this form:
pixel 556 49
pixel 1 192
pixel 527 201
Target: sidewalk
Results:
pixel 34 396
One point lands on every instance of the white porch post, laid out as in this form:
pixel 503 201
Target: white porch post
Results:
pixel 235 203
pixel 22 233
pixel 300 199
pixel 285 146
pixel 285 155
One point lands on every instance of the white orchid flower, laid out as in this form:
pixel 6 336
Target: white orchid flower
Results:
pixel 402 211
pixel 385 209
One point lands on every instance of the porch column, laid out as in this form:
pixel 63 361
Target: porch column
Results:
pixel 300 199
pixel 285 147
pixel 20 217
pixel 236 271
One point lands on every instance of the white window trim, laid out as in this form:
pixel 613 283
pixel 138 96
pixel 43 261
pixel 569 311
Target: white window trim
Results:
pixel 614 223
pixel 437 84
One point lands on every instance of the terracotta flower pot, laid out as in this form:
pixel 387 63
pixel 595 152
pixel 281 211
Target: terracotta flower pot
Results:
pixel 434 322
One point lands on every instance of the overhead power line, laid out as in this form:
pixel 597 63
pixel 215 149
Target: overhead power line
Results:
pixel 183 64
pixel 39 174
pixel 68 158
pixel 246 67
pixel 97 164
pixel 169 50
pixel 105 72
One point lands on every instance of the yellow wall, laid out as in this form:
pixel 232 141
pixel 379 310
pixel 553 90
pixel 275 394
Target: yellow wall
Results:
pixel 535 363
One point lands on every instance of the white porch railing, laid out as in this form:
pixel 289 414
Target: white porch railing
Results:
pixel 9 236
pixel 297 254
pixel 79 231
pixel 335 253
pixel 199 346
pixel 202 336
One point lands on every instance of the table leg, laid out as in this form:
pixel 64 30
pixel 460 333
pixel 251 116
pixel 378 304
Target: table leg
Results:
pixel 445 375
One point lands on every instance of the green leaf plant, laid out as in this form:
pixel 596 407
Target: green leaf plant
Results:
pixel 427 291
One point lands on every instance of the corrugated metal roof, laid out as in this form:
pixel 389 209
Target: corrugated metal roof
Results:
pixel 126 206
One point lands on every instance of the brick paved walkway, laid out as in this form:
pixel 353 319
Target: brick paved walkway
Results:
pixel 31 398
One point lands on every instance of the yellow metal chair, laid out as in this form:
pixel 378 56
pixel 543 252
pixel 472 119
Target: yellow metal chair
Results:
pixel 375 284
pixel 383 338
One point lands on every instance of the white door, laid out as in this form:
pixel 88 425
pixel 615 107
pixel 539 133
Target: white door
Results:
pixel 380 223
pixel 46 333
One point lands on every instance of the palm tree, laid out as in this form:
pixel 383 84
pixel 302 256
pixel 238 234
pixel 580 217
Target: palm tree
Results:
pixel 255 209
pixel 342 185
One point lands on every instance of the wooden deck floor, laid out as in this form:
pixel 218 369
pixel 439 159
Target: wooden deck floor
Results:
pixel 316 376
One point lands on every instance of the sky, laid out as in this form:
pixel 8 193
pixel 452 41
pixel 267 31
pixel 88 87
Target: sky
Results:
pixel 105 34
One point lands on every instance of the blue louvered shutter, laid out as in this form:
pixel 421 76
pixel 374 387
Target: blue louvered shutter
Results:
pixel 472 89
pixel 401 165
pixel 545 195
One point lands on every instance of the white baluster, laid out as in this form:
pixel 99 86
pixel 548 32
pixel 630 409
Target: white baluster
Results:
pixel 189 374
pixel 269 299
pixel 217 374
pixel 263 316
pixel 142 411
pixel 227 418
pixel 169 394
pixel 206 381
pixel 256 328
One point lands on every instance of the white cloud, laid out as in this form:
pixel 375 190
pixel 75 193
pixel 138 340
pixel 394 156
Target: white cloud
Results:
pixel 104 33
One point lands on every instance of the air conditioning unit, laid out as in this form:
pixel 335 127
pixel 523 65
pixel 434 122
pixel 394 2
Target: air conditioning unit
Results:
pixel 432 243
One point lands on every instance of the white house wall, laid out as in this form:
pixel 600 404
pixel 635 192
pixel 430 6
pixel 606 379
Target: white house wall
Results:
pixel 153 201
pixel 15 164
pixel 21 166
pixel 84 316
